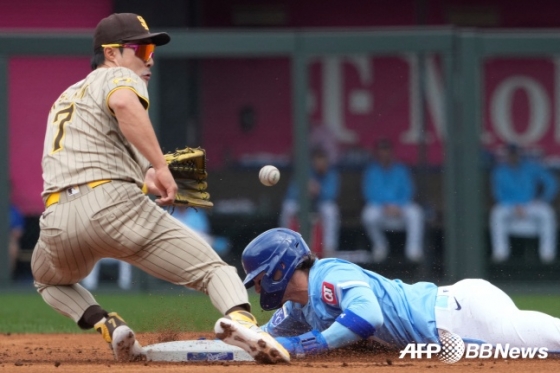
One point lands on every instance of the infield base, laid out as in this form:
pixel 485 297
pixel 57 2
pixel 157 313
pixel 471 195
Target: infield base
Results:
pixel 196 350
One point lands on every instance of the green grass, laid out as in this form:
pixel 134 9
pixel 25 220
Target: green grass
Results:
pixel 27 313
pixel 548 304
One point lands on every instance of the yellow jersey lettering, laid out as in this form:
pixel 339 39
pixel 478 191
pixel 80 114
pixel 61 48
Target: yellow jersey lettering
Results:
pixel 60 119
pixel 82 92
pixel 124 80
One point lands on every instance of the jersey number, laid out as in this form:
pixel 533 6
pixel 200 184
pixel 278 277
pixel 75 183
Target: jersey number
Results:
pixel 60 119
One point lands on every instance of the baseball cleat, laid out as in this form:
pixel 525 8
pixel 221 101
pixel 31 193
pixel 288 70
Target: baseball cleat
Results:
pixel 125 346
pixel 240 329
pixel 121 339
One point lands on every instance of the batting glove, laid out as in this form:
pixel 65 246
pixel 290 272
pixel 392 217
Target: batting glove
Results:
pixel 311 343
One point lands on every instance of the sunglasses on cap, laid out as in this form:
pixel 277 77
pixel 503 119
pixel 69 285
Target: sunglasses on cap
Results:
pixel 142 51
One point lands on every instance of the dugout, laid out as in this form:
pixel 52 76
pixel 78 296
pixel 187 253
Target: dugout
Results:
pixel 460 184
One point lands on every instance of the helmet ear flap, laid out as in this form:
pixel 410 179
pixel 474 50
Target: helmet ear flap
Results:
pixel 277 275
pixel 272 292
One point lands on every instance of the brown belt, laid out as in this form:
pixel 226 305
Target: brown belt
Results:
pixel 55 197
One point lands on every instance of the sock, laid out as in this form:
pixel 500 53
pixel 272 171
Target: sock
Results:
pixel 92 316
pixel 107 325
pixel 242 317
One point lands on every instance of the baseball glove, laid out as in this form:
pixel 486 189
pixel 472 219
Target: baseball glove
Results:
pixel 188 167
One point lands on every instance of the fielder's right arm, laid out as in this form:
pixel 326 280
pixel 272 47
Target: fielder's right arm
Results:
pixel 136 126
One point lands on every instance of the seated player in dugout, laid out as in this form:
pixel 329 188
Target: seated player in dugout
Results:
pixel 100 153
pixel 325 304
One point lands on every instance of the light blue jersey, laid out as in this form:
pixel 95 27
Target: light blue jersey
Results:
pixel 399 313
pixel 523 183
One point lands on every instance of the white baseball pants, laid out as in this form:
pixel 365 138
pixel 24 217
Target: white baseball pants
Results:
pixel 479 312
pixel 116 220
pixel 330 218
pixel 541 213
pixel 412 221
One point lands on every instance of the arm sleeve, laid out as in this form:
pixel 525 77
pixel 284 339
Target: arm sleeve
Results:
pixel 497 186
pixel 16 219
pixel 364 317
pixel 368 190
pixel 292 191
pixel 407 186
pixel 549 182
pixel 123 78
pixel 330 185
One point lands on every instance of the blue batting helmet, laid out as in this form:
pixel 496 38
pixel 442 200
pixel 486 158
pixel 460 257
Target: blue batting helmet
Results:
pixel 276 252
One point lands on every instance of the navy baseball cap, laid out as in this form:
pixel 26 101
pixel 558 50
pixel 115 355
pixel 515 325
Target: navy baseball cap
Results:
pixel 126 27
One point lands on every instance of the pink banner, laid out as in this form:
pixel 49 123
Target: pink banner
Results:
pixel 53 14
pixel 35 83
pixel 361 99
pixel 247 108
pixel 521 103
pixel 358 98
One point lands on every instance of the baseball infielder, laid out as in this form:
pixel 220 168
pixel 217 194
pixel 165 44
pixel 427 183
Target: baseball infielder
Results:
pixel 330 303
pixel 100 150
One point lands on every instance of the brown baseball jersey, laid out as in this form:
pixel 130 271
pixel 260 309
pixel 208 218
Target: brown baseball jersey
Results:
pixel 83 141
pixel 84 144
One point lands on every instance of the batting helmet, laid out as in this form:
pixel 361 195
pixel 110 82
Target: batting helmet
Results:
pixel 276 252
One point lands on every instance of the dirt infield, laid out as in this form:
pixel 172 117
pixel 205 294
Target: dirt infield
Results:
pixel 42 353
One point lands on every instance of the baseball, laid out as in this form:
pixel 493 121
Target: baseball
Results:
pixel 269 175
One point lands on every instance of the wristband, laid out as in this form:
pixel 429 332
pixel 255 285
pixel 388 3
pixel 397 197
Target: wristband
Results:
pixel 311 343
